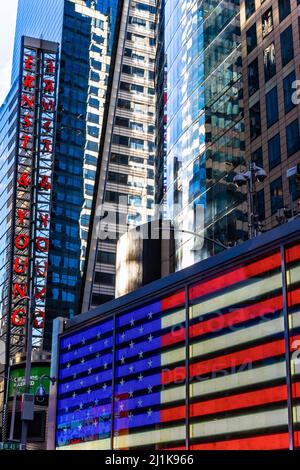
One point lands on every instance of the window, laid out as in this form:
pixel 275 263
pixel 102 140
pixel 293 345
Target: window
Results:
pixel 272 106
pixel 257 157
pixel 137 126
pixel 286 43
pixel 284 9
pixel 269 62
pixel 122 122
pixel 294 188
pixel 251 38
pixel 124 104
pixel 119 159
pixel 137 21
pixel 138 57
pixel 94 118
pixel 137 88
pixel 292 137
pixel 120 140
pixel 135 200
pixel 106 257
pixel 105 278
pixel 250 8
pixel 136 144
pixel 255 123
pixel 124 86
pixel 267 22
pixel 126 69
pixel 274 151
pixel 253 80
pixel 92 146
pixel 144 7
pixel 137 72
pixel 93 131
pixel 288 91
pixel 113 196
pixel 276 195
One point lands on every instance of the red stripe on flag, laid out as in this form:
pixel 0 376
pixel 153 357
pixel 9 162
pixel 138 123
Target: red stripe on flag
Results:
pixel 245 356
pixel 232 402
pixel 233 318
pixel 233 277
pixel 173 301
pixel 292 254
pixel 238 316
pixel 223 321
pixel 266 442
pixel 293 297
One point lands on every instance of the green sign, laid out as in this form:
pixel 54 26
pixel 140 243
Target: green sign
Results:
pixel 18 375
pixel 10 446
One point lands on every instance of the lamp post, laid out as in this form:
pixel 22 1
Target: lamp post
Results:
pixel 6 378
pixel 25 421
pixel 13 415
pixel 254 173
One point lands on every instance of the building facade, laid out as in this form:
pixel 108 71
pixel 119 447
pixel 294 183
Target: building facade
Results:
pixel 270 50
pixel 130 377
pixel 125 196
pixel 204 124
pixel 104 132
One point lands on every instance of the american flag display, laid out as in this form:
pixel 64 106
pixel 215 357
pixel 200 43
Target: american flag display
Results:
pixel 237 368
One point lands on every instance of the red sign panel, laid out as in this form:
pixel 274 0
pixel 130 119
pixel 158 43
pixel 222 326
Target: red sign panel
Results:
pixel 34 186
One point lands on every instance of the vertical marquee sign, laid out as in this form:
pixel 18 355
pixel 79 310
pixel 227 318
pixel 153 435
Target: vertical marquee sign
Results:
pixel 34 179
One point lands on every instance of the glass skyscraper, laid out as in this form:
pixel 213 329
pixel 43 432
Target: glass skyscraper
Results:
pixel 125 191
pixel 204 124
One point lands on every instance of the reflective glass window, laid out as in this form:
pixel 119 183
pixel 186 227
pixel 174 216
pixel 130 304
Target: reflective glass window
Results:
pixel 274 153
pixel 272 106
pixel 292 137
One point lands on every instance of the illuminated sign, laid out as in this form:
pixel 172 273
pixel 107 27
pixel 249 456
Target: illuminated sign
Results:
pixel 37 372
pixel 35 157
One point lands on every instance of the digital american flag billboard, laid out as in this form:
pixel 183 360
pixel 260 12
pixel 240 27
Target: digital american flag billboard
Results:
pixel 137 380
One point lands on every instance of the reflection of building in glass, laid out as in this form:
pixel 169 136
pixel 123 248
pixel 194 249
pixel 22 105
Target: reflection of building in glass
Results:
pixel 161 106
pixel 126 181
pixel 204 125
pixel 129 380
pixel 270 50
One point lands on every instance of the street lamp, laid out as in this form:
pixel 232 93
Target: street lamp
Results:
pixel 255 173
pixel 6 379
pixel 13 415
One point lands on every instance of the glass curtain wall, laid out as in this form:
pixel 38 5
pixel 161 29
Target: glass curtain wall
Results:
pixel 204 126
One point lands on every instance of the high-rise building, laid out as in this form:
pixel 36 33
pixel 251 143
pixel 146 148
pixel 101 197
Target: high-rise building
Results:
pixel 126 180
pixel 204 124
pixel 270 50
pixel 104 139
